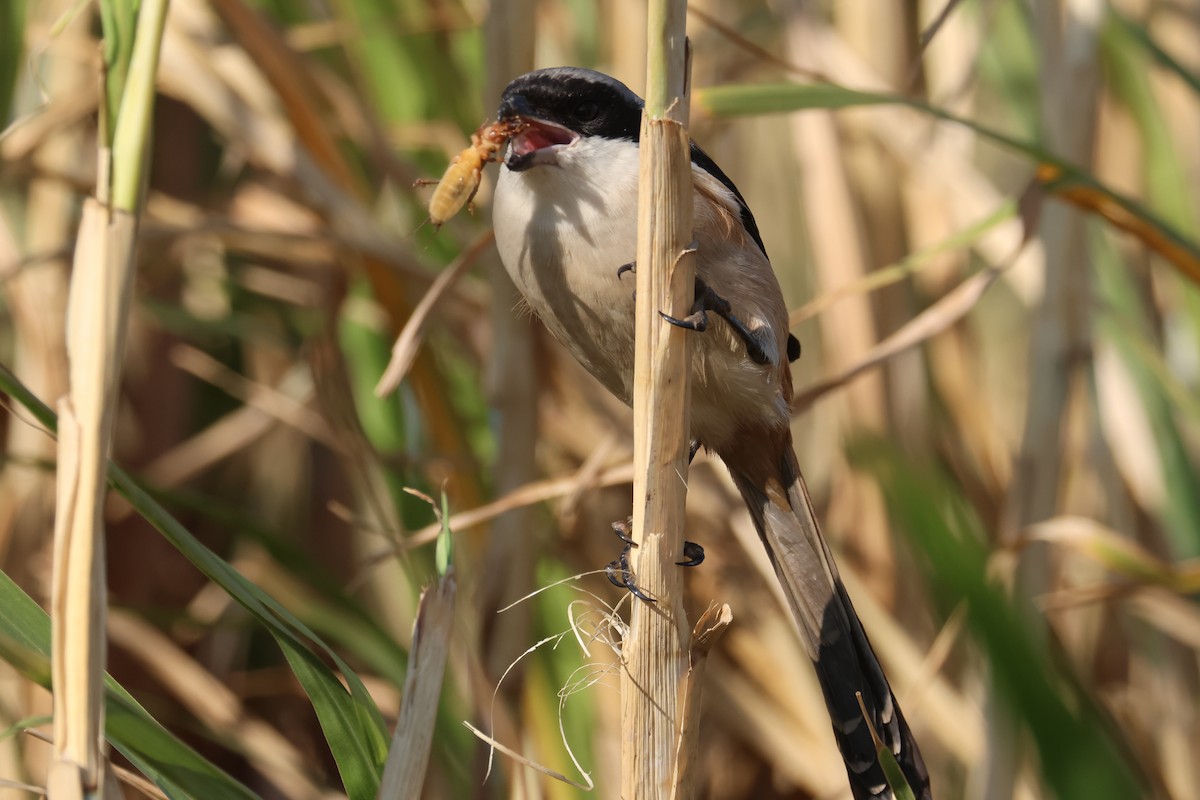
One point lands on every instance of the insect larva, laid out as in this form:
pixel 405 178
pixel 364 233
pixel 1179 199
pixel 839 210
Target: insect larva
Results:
pixel 461 179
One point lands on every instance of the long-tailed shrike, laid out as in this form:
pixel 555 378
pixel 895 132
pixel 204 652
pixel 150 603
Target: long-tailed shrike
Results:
pixel 565 214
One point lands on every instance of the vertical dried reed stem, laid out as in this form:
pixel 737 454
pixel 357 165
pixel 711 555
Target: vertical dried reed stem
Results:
pixel 97 316
pixel 655 651
pixel 841 253
pixel 1068 39
pixel 78 591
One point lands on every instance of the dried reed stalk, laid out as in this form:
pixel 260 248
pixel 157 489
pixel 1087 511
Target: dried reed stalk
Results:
pixel 412 335
pixel 1068 36
pixel 97 318
pixel 709 628
pixel 656 648
pixel 99 294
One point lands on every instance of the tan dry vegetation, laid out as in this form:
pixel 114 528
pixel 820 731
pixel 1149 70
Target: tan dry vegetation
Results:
pixel 1029 382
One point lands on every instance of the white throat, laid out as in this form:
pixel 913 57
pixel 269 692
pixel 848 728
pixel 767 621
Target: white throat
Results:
pixel 563 230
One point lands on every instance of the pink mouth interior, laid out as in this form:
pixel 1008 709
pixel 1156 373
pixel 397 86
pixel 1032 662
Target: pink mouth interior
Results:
pixel 539 135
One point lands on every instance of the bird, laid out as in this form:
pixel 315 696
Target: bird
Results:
pixel 565 216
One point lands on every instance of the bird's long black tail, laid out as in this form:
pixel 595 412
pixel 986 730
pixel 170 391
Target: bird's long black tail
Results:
pixel 777 497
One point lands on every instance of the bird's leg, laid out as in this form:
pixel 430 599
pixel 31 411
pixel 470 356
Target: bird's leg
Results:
pixel 708 300
pixel 619 572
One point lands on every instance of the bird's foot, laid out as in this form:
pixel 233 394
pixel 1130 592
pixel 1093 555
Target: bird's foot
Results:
pixel 620 574
pixel 793 348
pixel 708 300
pixel 693 553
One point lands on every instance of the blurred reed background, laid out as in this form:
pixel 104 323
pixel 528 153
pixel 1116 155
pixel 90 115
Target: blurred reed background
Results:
pixel 1012 488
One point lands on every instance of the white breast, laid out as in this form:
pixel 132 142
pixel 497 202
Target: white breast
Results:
pixel 563 241
pixel 564 230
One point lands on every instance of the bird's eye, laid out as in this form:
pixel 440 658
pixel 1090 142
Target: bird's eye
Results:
pixel 586 112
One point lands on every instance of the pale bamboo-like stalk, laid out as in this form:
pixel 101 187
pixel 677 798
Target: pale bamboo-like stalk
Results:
pixel 709 628
pixel 656 649
pixel 97 317
pixel 1068 35
pixel 100 287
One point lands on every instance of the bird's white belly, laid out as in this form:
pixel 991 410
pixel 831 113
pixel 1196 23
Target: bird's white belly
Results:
pixel 564 260
pixel 563 246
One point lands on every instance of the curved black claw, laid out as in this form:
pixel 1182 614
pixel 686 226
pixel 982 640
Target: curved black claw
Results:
pixel 621 576
pixel 623 528
pixel 630 267
pixel 694 554
pixel 611 572
pixel 695 321
pixel 708 300
pixel 793 348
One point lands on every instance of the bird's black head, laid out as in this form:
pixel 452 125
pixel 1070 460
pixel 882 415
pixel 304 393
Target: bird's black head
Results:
pixel 562 104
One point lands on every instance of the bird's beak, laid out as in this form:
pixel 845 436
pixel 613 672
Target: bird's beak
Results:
pixel 538 142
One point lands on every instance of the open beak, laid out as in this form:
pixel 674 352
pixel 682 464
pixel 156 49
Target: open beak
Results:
pixel 538 142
